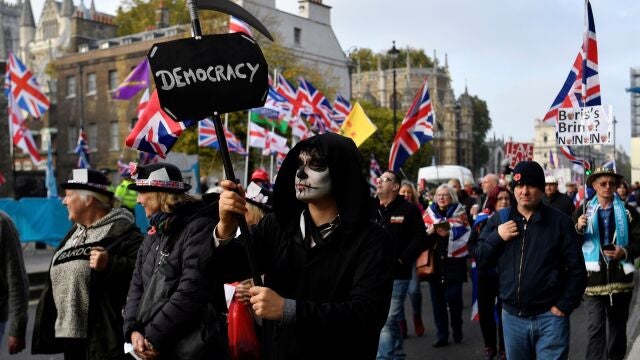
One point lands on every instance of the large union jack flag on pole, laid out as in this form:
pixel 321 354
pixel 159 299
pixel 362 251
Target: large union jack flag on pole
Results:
pixel 322 112
pixel 82 149
pixel 207 137
pixel 25 89
pixel 582 86
pixel 293 96
pixel 415 130
pixel 155 132
pixel 341 109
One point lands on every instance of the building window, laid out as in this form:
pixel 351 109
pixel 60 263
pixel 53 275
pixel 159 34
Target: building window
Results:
pixel 113 79
pixel 114 139
pixel 72 138
pixel 50 29
pixel 71 87
pixel 297 34
pixel 93 137
pixel 91 84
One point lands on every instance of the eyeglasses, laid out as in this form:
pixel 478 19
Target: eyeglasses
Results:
pixel 506 198
pixel 381 180
pixel 608 183
pixel 443 195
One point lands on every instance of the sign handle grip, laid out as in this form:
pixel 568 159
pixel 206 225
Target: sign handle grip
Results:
pixel 242 222
pixel 195 19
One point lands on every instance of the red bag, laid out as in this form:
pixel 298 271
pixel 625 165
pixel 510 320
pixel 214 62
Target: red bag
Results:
pixel 243 342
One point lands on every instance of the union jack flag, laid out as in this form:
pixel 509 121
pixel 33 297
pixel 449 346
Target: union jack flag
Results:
pixel 321 108
pixel 415 130
pixel 582 86
pixel 142 104
pixel 299 128
pixel 155 132
pixel 25 88
pixel 145 158
pixel 82 149
pixel 293 96
pixel 207 137
pixel 341 109
pixel 279 160
pixel 21 134
pixel 237 25
pixel 374 173
pixel 123 167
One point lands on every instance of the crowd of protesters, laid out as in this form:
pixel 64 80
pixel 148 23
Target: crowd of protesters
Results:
pixel 335 264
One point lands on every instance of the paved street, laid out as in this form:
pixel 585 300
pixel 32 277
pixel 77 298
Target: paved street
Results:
pixel 416 347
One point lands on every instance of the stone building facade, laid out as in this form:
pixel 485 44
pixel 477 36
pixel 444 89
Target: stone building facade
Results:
pixel 454 117
pixel 9 28
pixel 62 28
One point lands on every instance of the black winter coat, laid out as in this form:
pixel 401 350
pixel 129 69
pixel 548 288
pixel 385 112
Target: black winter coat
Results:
pixel 541 268
pixel 561 202
pixel 342 288
pixel 403 221
pixel 107 296
pixel 187 248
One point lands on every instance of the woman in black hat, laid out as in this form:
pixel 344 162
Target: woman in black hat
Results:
pixel 176 303
pixel 80 309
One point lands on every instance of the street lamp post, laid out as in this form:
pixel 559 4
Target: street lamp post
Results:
pixel 614 139
pixel 393 53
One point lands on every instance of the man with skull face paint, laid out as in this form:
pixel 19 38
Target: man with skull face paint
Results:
pixel 327 266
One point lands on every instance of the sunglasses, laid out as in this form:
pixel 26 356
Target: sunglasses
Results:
pixel 608 183
pixel 381 180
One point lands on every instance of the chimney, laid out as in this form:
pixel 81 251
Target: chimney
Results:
pixel 315 10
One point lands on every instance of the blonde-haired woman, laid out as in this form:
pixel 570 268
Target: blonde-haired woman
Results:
pixel 176 299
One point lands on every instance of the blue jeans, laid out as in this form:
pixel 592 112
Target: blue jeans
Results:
pixel 415 294
pixel 544 336
pixel 391 340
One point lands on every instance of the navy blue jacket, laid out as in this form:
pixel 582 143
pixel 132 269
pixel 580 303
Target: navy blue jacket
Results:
pixel 540 268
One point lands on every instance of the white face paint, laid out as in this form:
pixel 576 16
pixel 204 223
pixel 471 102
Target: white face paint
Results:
pixel 312 178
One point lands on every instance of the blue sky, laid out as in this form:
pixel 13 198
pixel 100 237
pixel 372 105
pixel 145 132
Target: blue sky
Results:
pixel 513 54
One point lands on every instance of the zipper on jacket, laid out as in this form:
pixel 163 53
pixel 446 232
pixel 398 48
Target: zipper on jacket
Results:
pixel 524 237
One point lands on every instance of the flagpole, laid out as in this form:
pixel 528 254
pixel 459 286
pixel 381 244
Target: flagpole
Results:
pixel 11 145
pixel 226 159
pixel 246 162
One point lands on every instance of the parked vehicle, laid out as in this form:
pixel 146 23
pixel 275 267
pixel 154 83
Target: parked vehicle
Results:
pixel 436 175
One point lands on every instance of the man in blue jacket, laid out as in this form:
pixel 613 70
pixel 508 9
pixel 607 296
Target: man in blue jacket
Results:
pixel 541 269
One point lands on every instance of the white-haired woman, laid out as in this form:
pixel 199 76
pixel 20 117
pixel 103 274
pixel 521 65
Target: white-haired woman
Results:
pixel 80 310
pixel 447 223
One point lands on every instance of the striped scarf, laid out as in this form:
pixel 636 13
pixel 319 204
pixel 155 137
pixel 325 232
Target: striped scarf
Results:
pixel 460 229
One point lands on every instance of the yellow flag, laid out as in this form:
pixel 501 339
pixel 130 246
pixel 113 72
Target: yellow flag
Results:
pixel 357 125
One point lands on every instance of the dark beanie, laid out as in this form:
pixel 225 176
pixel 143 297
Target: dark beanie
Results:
pixel 528 173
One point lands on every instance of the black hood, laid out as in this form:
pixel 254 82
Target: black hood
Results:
pixel 345 170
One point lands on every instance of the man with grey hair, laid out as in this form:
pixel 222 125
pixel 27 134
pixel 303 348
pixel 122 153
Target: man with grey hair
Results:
pixel 489 181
